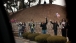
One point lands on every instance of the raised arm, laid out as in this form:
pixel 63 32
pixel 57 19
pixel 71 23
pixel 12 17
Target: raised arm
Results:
pixel 51 22
pixel 46 20
pixel 41 24
pixel 57 24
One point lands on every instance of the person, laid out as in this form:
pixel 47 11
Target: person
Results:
pixel 64 27
pixel 55 25
pixel 67 27
pixel 23 27
pixel 19 29
pixel 44 27
pixel 32 26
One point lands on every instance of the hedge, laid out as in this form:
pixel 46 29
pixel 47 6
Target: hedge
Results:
pixel 56 39
pixel 32 36
pixel 42 38
pixel 26 34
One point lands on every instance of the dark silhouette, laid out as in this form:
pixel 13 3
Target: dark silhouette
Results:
pixel 55 25
pixel 43 25
pixel 64 27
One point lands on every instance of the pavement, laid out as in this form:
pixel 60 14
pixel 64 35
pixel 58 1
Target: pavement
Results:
pixel 21 40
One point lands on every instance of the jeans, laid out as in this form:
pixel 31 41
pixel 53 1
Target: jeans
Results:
pixel 32 30
pixel 20 34
pixel 44 31
pixel 55 32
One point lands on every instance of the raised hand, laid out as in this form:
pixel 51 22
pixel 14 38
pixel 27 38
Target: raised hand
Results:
pixel 50 20
pixel 45 17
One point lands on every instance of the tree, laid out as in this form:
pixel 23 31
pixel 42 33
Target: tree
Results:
pixel 15 4
pixel 39 2
pixel 23 3
pixel 44 2
pixel 50 1
pixel 29 2
pixel 9 6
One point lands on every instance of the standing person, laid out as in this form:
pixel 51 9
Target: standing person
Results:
pixel 19 29
pixel 44 27
pixel 23 27
pixel 55 25
pixel 67 27
pixel 64 27
pixel 32 26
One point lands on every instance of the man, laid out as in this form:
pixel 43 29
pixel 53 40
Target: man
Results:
pixel 20 29
pixel 44 27
pixel 55 25
pixel 32 25
pixel 23 27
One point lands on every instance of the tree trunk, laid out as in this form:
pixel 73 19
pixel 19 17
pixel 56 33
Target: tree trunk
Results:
pixel 50 1
pixel 29 3
pixel 39 2
pixel 9 7
pixel 44 2
pixel 23 3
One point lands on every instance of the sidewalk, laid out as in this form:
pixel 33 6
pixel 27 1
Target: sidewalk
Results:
pixel 24 40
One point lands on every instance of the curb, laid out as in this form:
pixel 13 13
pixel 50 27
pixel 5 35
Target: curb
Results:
pixel 21 39
pixel 24 40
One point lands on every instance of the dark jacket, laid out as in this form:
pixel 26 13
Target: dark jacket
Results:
pixel 55 25
pixel 23 27
pixel 44 27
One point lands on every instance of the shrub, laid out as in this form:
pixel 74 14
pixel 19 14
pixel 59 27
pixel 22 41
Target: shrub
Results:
pixel 26 34
pixel 56 39
pixel 42 38
pixel 32 36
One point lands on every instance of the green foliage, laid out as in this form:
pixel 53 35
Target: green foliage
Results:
pixel 32 36
pixel 42 38
pixel 56 39
pixel 26 34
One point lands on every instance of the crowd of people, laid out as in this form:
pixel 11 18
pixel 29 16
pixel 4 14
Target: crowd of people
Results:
pixel 63 25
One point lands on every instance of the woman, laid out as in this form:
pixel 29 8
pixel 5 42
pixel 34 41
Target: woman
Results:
pixel 64 27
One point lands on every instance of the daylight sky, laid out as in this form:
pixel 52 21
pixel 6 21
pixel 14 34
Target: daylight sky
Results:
pixel 57 2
